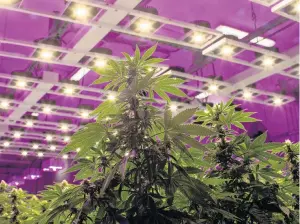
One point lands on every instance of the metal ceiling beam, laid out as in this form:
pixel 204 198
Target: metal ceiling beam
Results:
pixel 252 75
pixel 35 95
pixel 204 60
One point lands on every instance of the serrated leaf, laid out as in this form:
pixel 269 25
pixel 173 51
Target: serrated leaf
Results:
pixel 183 116
pixel 192 142
pixel 103 80
pixel 153 61
pixel 148 53
pixel 259 140
pixel 108 179
pixel 162 94
pixel 137 54
pixel 85 138
pixel 173 90
pixel 127 56
pixel 198 130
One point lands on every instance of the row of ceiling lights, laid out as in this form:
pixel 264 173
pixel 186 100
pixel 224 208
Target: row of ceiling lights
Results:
pixel 48 137
pixel 35 146
pixel 213 88
pixel 41 154
pixel 228 51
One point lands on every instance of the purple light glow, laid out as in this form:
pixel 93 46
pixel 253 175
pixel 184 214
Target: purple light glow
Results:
pixel 28 28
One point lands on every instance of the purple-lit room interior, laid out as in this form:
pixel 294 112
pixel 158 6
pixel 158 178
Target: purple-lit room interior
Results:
pixel 242 49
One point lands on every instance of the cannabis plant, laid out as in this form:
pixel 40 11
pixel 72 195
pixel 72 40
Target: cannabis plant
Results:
pixel 18 207
pixel 133 161
pixel 250 173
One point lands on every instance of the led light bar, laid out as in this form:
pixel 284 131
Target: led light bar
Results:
pixel 227 30
pixel 229 50
pixel 288 8
pixel 255 95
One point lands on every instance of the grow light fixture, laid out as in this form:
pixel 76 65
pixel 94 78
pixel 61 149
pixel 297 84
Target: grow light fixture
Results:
pixel 55 168
pixel 213 87
pixel 69 91
pixel 6 144
pixel 240 34
pixel 35 146
pixel 21 83
pixel 111 97
pixel 227 30
pixel 46 110
pixel 24 153
pixel 4 104
pixel 268 62
pixel 65 156
pixel 247 95
pixel 80 74
pixel 144 26
pixel 81 11
pixel 46 54
pixel 67 139
pixel 29 123
pixel 85 114
pixel 202 95
pixel 100 63
pixel 64 127
pixel 173 107
pixel 49 138
pixel 230 50
pixel 288 8
pixel 227 51
pixel 277 101
pixel 31 174
pixel 17 134
pixel 52 147
pixel 198 38
pixel 40 154
pixel 265 42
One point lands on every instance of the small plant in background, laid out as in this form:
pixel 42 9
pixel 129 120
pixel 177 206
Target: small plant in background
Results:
pixel 249 173
pixel 19 207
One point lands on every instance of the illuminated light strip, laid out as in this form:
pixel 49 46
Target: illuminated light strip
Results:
pixel 285 3
pixel 262 92
pixel 118 28
pixel 28 146
pixel 83 69
pixel 249 76
pixel 150 16
pixel 97 33
pixel 80 74
pixel 37 137
pixel 175 73
pixel 25 57
pixel 244 47
pixel 40 107
pixel 227 30
pixel 229 85
pixel 97 90
pixel 155 18
pixel 84 88
pixel 17 152
pixel 47 125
